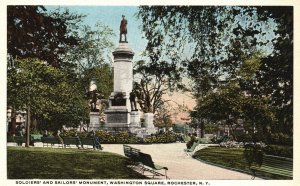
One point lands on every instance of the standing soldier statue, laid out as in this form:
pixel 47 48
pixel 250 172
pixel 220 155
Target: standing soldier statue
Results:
pixel 132 101
pixel 123 28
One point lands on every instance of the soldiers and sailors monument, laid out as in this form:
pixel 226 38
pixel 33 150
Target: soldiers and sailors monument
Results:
pixel 122 113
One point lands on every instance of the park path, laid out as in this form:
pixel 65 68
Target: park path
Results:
pixel 181 167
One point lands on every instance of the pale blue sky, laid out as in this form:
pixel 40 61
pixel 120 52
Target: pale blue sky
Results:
pixel 111 16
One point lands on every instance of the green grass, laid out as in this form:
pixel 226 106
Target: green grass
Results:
pixel 227 157
pixel 231 158
pixel 57 163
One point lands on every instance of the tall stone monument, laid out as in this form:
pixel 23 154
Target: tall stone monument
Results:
pixel 119 113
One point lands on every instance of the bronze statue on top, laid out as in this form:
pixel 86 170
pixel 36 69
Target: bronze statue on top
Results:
pixel 123 29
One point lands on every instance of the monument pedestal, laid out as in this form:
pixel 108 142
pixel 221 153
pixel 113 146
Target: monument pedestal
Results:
pixel 149 123
pixel 118 116
pixel 135 119
pixel 94 121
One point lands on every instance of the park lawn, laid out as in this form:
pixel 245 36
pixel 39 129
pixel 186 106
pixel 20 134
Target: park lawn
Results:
pixel 231 158
pixel 58 163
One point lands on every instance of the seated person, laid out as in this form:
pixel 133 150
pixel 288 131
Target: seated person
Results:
pixel 192 140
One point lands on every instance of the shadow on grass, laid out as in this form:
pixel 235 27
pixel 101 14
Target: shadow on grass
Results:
pixel 54 163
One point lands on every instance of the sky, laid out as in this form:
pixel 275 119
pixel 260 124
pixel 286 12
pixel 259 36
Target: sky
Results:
pixel 111 16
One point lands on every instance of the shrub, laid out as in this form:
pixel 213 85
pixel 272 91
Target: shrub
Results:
pixel 243 137
pixel 280 139
pixel 123 137
pixel 105 137
pixel 253 154
pixel 167 137
pixel 279 150
pixel 69 133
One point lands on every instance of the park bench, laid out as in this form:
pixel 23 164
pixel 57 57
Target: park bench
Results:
pixel 131 152
pixel 87 142
pixel 68 141
pixel 52 141
pixel 144 161
pixel 150 166
pixel 19 140
pixel 192 149
pixel 36 137
pixel 274 165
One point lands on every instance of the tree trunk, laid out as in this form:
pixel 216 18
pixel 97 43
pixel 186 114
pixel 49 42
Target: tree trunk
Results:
pixel 28 127
pixel 13 121
pixel 202 129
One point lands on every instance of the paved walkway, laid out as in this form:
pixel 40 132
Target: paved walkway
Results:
pixel 181 167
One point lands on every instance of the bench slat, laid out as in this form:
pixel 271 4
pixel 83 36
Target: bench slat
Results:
pixel 275 165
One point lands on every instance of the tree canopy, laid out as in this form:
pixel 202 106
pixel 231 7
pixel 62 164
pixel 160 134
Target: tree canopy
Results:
pixel 52 56
pixel 217 46
pixel 33 33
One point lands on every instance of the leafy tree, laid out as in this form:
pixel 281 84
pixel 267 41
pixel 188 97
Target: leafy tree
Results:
pixel 93 49
pixel 163 117
pixel 203 39
pixel 279 66
pixel 56 38
pixel 91 57
pixel 46 93
pixel 32 33
pixel 229 104
pixel 155 81
pixel 215 43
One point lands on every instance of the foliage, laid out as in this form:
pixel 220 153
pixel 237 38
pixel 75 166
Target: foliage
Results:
pixel 103 75
pixel 57 38
pixel 167 137
pixel 279 150
pixel 154 81
pixel 253 155
pixel 121 137
pixel 231 158
pixel 43 163
pixel 163 117
pixel 91 57
pixel 280 139
pixel 93 49
pixel 229 104
pixel 70 133
pixel 52 97
pixel 105 137
pixel 32 33
pixel 204 39
pixel 252 46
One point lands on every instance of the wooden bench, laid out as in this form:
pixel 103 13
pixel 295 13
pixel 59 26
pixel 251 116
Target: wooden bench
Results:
pixel 144 161
pixel 52 141
pixel 87 142
pixel 36 137
pixel 274 165
pixel 68 141
pixel 150 166
pixel 19 140
pixel 132 153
